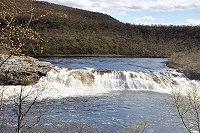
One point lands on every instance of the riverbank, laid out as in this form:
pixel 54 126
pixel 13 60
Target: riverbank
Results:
pixel 78 55
pixel 186 62
pixel 22 70
pixel 96 55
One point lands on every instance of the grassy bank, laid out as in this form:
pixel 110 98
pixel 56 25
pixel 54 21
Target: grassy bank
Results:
pixel 188 60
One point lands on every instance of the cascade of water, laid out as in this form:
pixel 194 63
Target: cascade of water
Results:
pixel 63 82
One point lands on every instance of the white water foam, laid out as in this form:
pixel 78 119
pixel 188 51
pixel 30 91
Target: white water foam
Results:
pixel 64 82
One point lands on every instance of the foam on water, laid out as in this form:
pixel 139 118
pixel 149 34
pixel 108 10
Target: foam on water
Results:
pixel 64 82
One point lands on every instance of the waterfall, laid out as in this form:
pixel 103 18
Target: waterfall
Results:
pixel 65 82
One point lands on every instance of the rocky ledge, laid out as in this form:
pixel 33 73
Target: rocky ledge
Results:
pixel 21 70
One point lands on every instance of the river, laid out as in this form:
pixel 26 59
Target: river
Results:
pixel 90 94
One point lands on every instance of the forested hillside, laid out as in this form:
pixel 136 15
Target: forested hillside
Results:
pixel 71 31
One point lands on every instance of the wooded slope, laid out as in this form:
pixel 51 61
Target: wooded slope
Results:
pixel 71 31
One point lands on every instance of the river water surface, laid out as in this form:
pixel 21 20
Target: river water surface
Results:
pixel 90 94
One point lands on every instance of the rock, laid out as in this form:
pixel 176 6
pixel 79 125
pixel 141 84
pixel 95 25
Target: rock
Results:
pixel 102 72
pixel 180 70
pixel 20 70
pixel 191 74
pixel 85 76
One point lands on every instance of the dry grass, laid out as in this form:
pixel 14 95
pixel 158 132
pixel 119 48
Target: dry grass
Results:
pixel 191 60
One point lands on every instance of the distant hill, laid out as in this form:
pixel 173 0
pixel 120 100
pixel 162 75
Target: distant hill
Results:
pixel 72 31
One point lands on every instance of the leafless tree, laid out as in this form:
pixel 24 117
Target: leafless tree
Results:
pixel 187 108
pixel 24 100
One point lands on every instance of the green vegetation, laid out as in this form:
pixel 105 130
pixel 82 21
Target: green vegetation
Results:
pixel 71 31
pixel 16 35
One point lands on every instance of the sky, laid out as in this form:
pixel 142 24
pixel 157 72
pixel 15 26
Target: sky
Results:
pixel 144 12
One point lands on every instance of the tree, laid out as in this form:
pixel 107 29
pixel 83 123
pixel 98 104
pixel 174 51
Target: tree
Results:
pixel 187 108
pixel 16 36
pixel 138 127
pixel 21 99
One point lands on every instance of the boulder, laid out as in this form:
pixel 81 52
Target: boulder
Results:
pixel 21 70
pixel 191 74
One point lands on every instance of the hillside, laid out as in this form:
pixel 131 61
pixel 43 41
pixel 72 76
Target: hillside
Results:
pixel 71 31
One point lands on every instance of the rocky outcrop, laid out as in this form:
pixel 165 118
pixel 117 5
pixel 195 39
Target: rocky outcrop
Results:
pixel 21 70
pixel 191 74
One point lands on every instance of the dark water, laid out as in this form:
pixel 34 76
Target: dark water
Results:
pixel 110 112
